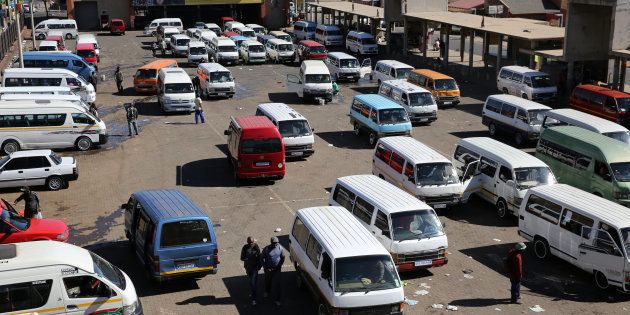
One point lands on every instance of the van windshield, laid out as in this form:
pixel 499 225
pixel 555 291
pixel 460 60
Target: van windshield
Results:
pixel 317 78
pixel 432 174
pixel 536 116
pixel 47 48
pixel 221 76
pixel 182 233
pixel 146 74
pixel 285 47
pixel 294 128
pixel 415 225
pixel 86 53
pixel 625 233
pixel 257 146
pixel 257 48
pixel 528 177
pixel 310 29
pixel 621 171
pixel 623 104
pixel 228 48
pixel 623 136
pixel 445 85
pixel 349 63
pixel 365 274
pixel 542 81
pixel 182 42
pixel 368 41
pixel 248 34
pixel 333 33
pixel 421 99
pixel 198 51
pixel 174 88
pixel 318 49
pixel 108 271
pixel 392 116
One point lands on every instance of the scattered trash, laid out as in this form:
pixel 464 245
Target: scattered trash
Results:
pixel 438 306
pixel 451 307
pixel 222 219
pixel 145 120
pixel 405 283
pixel 167 122
pixel 467 276
pixel 469 257
pixel 330 145
pixel 424 285
pixel 467 271
pixel 497 309
pixel 447 274
pixel 410 302
pixel 250 69
pixel 496 239
pixel 270 198
pixel 537 309
pixel 421 292
pixel 278 230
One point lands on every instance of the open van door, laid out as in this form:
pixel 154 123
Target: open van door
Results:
pixel 471 181
pixel 294 85
pixel 366 68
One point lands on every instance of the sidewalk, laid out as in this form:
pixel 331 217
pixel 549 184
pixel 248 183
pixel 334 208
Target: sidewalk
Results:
pixel 26 36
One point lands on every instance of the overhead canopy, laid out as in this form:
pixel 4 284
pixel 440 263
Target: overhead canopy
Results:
pixel 466 4
pixel 556 54
pixel 518 28
pixel 344 6
pixel 623 53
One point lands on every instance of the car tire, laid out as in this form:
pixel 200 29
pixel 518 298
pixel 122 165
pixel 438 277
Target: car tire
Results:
pixel 373 137
pixel 10 146
pixel 541 248
pixel 55 183
pixel 600 280
pixel 492 129
pixel 518 139
pixel 357 129
pixel 321 309
pixel 68 36
pixel 502 208
pixel 83 144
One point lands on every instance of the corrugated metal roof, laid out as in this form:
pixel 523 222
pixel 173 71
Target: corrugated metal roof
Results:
pixel 504 153
pixel 254 122
pixel 611 212
pixel 339 232
pixel 414 150
pixel 166 204
pixel 47 253
pixel 585 120
pixel 382 194
pixel 519 101
pixel 531 6
pixel 466 4
pixel 377 101
pixel 614 150
pixel 281 111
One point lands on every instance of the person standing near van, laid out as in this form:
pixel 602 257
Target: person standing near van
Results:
pixel 31 203
pixel 250 256
pixel 93 110
pixel 196 85
pixel 132 117
pixel 119 79
pixel 163 47
pixel 514 266
pixel 199 111
pixel 272 259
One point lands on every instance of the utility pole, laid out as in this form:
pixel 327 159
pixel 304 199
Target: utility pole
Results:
pixel 31 7
pixel 19 35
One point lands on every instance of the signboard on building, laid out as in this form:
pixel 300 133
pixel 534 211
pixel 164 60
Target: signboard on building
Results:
pixel 495 9
pixel 142 3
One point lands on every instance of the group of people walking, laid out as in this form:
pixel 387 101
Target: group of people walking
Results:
pixel 270 259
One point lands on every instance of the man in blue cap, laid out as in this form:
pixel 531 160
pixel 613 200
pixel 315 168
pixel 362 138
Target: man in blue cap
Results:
pixel 272 259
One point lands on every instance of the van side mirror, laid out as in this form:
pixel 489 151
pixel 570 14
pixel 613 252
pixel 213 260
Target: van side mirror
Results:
pixel 511 183
pixel 123 206
pixel 326 272
pixel 227 132
pixel 386 234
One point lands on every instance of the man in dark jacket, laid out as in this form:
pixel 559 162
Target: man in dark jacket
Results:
pixel 272 259
pixel 514 266
pixel 31 203
pixel 250 256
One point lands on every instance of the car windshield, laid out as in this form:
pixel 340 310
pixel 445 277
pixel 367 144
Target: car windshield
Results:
pixel 257 146
pixel 248 33
pixel 310 29
pixel 198 51
pixel 182 42
pixel 365 274
pixel 317 78
pixel 621 171
pixel 56 158
pixel 368 41
pixel 623 104
pixel 47 48
pixel 294 128
pixel 221 77
pixel 445 85
pixel 182 233
pixel 349 63
pixel 257 48
pixel 392 116
pixel 528 177
pixel 415 225
pixel 228 48
pixel 86 53
pixel 318 49
pixel 285 47
pixel 623 136
pixel 178 88
pixel 625 233
pixel 146 74
pixel 403 73
pixel 285 38
pixel 431 174
pixel 333 33
pixel 10 216
pixel 536 116
pixel 108 271
pixel 421 99
pixel 542 81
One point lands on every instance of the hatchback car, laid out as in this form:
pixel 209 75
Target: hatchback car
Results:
pixel 15 228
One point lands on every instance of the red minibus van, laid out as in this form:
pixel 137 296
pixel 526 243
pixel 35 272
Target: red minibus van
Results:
pixel 311 50
pixel 602 102
pixel 117 26
pixel 88 53
pixel 255 148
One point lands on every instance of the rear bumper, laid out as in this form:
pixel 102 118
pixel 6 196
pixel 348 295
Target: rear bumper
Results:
pixel 145 89
pixel 197 273
pixel 70 177
pixel 274 175
pixel 103 138
pixel 447 100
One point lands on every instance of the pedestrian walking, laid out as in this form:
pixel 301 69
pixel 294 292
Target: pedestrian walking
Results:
pixel 199 111
pixel 514 266
pixel 119 79
pixel 163 47
pixel 132 117
pixel 196 85
pixel 271 259
pixel 31 203
pixel 250 256
pixel 154 48
pixel 93 110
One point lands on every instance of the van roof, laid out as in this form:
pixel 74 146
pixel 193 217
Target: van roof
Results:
pixel 171 29
pixel 251 25
pixel 414 150
pixel 180 36
pixel 615 151
pixel 242 39
pixel 603 90
pixel 250 42
pixel 39 71
pixel 503 153
pixel 39 104
pixel 361 34
pixel 376 101
pixel 175 75
pixel 280 111
pixel 382 194
pixel 310 43
pixel 213 25
pixel 519 102
pixel 85 46
pixel 585 202
pixel 4 89
pixel 327 27
pixel 585 120
pixel 405 85
pixel 339 232
pixel 168 204
pixel 29 255
pixel 50 55
pixel 278 41
pixel 253 122
pixel 523 70
pixel 224 41
pixel 314 66
pixel 159 64
pixel 432 74
pixel 48 43
pixel 196 43
pixel 41 97
pixel 212 67
pixel 278 33
pixel 341 55
pixel 394 64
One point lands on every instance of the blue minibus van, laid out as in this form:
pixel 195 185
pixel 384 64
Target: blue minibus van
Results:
pixel 379 117
pixel 263 38
pixel 170 235
pixel 64 60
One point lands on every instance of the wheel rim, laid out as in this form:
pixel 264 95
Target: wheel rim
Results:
pixel 357 131
pixel 492 129
pixel 84 144
pixel 501 209
pixel 601 281
pixel 54 183
pixel 541 249
pixel 11 147
pixel 372 138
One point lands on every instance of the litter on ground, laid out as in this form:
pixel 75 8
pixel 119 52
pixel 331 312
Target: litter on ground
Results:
pixel 537 309
pixel 451 307
pixel 278 230
pixel 437 306
pixel 410 302
pixel 421 292
pixel 467 276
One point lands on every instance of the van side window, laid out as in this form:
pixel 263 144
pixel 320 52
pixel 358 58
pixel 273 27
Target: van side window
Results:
pixel 344 197
pixel 508 111
pixel 24 295
pixel 363 210
pixel 80 118
pixel 598 99
pixel 505 74
pixel 493 105
pixel 142 226
pixel 356 106
pixel 386 90
pixel 606 239
pixel 383 153
pixel 610 105
pixel 397 162
pixel 392 73
pixel 573 222
pixel 300 232
pixel 373 116
pixel 581 95
pixel 488 167
pixel 313 250
pixel 543 209
pixel 505 174
pixel 409 172
pixel 563 154
pixel 86 287
pixel 382 223
pixel 517 77
pixel 465 156
pixel 601 170
pixel 522 116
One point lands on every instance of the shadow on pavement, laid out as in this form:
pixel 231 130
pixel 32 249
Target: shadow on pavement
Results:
pixel 365 89
pixel 81 234
pixel 149 109
pixel 284 97
pixel 213 172
pixel 469 134
pixel 479 302
pixel 345 139
pixel 485 214
pixel 473 109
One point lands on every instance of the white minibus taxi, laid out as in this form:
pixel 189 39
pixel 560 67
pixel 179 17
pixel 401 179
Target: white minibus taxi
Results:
pixel 295 130
pixel 390 70
pixel 572 117
pixel 73 98
pixel 166 22
pixel 328 35
pixel 313 81
pixel 498 173
pixel 345 67
pixel 361 43
pixel 48 277
pixel 68 28
pixel 49 77
pixel 407 227
pixel 30 124
pixel 50 90
pixel 215 80
pixel 583 229
pixel 343 264
pixel 513 115
pixel 526 83
pixel 417 169
pixel 175 90
pixel 418 102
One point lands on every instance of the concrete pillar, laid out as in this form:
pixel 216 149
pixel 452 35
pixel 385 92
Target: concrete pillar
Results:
pixel 499 52
pixel 69 6
pixel 447 44
pixel 388 36
pixel 425 37
pixel 165 12
pixel 616 66
pixel 471 49
pixel 532 56
pixel 462 44
pixel 570 75
pixel 622 80
pixel 486 48
pixel 405 36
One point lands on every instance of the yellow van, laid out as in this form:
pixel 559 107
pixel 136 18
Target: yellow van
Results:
pixel 443 87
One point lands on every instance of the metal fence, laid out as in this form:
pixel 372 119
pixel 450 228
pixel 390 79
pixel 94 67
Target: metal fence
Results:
pixel 9 36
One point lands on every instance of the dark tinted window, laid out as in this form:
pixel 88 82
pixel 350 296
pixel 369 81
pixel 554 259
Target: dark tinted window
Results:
pixel 573 222
pixel 300 232
pixel 16 164
pixel 543 209
pixel 38 162
pixel 25 295
pixel 183 233
pixel 363 210
pixel 80 118
pixel 493 105
pixel 257 146
pixel 508 111
pixel 488 167
pixel 344 197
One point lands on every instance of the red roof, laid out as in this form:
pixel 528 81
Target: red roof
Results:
pixel 603 90
pixel 466 4
pixel 310 43
pixel 254 122
pixel 85 46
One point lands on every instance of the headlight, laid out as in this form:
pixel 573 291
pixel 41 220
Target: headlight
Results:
pixel 133 309
pixel 396 308
pixel 63 235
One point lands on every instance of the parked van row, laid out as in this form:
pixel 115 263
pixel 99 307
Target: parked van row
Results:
pixel 514 116
pixel 49 77
pixel 151 29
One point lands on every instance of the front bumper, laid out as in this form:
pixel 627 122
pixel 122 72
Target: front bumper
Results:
pixel 422 117
pixel 179 107
pixel 299 151
pixel 447 100
pixel 226 60
pixel 410 266
pixel 174 274
pixel 315 94
pixel 221 92
pixel 441 202
pixel 348 76
pixel 286 58
pixel 393 134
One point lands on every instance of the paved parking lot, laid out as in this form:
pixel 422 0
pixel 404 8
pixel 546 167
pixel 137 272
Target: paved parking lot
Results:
pixel 171 151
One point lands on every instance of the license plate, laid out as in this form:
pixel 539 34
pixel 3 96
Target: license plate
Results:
pixel 222 94
pixel 185 266
pixel 423 263
pixel 448 103
pixel 263 163
pixel 424 119
pixel 297 153
pixel 439 206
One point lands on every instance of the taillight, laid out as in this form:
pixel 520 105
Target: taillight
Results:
pixel 216 256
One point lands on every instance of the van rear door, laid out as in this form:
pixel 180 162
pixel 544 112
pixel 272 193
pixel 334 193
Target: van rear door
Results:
pixel 471 181
pixel 366 68
pixel 185 246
